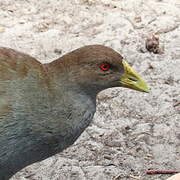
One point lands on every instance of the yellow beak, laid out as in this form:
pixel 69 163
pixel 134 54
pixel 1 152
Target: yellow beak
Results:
pixel 132 80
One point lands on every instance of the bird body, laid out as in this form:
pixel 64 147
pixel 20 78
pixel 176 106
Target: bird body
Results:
pixel 45 107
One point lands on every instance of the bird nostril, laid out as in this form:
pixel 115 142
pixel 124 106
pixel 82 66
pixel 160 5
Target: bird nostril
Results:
pixel 133 79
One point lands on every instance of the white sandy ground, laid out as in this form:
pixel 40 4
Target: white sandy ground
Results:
pixel 175 177
pixel 132 131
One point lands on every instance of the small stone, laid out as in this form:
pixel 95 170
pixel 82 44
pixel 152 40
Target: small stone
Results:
pixel 152 45
pixel 175 177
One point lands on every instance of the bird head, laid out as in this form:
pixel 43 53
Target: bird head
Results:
pixel 97 68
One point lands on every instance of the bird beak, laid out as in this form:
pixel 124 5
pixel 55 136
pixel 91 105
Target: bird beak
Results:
pixel 130 79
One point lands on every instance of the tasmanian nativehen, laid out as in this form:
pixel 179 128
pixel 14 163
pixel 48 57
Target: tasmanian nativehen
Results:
pixel 44 108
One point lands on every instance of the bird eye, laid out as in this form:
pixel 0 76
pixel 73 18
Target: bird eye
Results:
pixel 104 67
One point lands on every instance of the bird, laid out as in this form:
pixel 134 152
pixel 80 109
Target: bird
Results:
pixel 44 108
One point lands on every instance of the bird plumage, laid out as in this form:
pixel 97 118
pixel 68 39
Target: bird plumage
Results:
pixel 45 107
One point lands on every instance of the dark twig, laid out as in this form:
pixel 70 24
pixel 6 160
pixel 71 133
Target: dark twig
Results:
pixel 176 104
pixel 162 171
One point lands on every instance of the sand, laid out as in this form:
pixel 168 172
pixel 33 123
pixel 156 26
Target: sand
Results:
pixel 131 131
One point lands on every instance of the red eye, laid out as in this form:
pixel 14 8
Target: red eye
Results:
pixel 104 67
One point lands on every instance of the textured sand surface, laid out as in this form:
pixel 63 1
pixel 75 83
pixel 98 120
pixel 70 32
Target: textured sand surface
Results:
pixel 175 177
pixel 132 131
